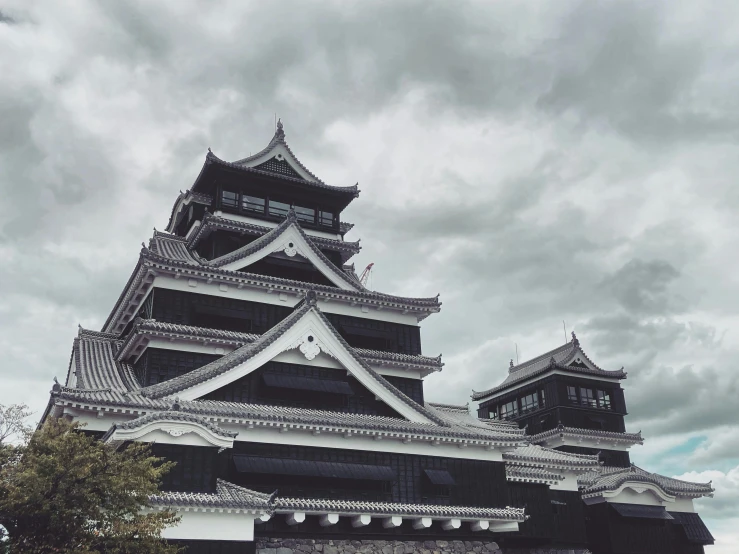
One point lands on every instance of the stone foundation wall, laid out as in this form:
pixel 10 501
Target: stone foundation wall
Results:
pixel 326 546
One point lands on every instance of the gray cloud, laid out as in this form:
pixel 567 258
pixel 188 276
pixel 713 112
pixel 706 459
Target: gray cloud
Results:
pixel 572 162
pixel 7 19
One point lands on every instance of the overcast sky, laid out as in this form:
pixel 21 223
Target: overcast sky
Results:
pixel 533 162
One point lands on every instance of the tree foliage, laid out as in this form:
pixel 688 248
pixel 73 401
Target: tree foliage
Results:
pixel 13 423
pixel 64 491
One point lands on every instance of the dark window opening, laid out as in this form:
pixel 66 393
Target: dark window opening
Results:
pixel 543 399
pixel 371 339
pixel 230 199
pixel 288 269
pixel 493 413
pixel 253 203
pixel 594 423
pixel 216 319
pixel 294 382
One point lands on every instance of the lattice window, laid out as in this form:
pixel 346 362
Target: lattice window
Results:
pixel 281 167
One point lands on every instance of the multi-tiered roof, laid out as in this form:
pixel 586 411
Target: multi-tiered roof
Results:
pixel 179 364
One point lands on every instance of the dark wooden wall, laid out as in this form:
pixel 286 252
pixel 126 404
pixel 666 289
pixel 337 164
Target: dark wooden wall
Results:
pixel 613 458
pixel 252 389
pixel 559 409
pixel 241 315
pixel 219 243
pixel 156 364
pixel 196 467
pixel 611 533
pixel 478 483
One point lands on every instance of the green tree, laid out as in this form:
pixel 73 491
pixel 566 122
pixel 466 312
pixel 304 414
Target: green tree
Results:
pixel 64 491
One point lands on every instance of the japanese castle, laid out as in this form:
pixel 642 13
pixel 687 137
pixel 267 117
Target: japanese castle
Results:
pixel 245 348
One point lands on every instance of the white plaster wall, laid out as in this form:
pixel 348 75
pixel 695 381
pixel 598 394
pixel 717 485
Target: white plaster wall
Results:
pixel 222 526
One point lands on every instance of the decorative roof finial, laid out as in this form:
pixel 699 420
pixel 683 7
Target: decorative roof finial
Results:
pixel 292 217
pixel 279 133
pixel 56 387
pixel 511 366
pixel 176 405
pixel 552 362
pixel 574 339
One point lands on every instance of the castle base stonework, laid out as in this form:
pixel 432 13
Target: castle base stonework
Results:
pixel 327 546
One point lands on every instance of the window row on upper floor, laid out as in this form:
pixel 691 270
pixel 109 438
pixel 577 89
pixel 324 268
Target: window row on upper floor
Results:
pixel 592 398
pixel 524 404
pixel 267 206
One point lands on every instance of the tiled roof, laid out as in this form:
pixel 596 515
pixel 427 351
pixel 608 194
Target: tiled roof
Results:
pixel 227 362
pixel 95 364
pixel 187 197
pixel 539 454
pixel 174 415
pixel 123 401
pixel 610 436
pixel 695 530
pixel 277 139
pixel 529 474
pixel 227 495
pixel 150 261
pixel 240 355
pixel 610 479
pixel 560 358
pixel 212 222
pixel 459 415
pixel 290 221
pixel 172 247
pixel 396 509
pixel 352 190
pixel 153 328
pixel 400 359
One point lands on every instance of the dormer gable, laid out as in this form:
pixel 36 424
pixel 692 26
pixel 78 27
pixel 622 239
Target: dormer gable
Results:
pixel 287 239
pixel 308 332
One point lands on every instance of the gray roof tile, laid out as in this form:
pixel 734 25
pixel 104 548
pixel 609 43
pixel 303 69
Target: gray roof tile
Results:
pixel 590 433
pixel 213 222
pixel 560 358
pixel 531 475
pixel 611 478
pixel 95 363
pixel 277 139
pixel 539 454
pixel 351 507
pixel 227 495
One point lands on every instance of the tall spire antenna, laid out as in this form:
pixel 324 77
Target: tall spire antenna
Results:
pixel 516 353
pixel 565 329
